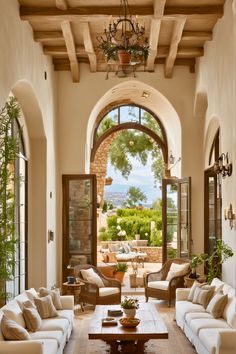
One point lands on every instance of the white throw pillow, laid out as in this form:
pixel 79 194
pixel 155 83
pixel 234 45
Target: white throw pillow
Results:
pixel 177 270
pixel 92 277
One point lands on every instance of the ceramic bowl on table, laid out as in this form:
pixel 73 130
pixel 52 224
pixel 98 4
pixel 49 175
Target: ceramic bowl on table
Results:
pixel 129 322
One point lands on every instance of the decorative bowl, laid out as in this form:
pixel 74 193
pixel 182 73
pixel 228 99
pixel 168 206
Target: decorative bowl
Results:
pixel 129 322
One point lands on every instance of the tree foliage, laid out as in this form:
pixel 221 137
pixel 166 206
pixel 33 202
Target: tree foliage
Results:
pixel 134 197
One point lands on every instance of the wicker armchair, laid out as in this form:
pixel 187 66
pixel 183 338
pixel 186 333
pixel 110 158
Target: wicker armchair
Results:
pixel 91 293
pixel 158 287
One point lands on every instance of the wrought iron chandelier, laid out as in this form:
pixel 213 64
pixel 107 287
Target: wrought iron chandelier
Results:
pixel 124 34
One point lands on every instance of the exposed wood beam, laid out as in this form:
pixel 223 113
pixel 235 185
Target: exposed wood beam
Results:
pixel 62 50
pixel 191 62
pixel 44 14
pixel 176 38
pixel 61 4
pixel 88 45
pixel 196 35
pixel 41 36
pixel 185 52
pixel 159 6
pixel 70 45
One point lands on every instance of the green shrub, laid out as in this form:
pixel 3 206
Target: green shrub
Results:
pixel 112 221
pixel 104 236
pixel 171 253
pixel 121 267
pixel 156 238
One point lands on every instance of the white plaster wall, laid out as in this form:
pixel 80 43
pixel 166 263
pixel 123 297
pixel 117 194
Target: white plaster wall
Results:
pixel 22 59
pixel 217 77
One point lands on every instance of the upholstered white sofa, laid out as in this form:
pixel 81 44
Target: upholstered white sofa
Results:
pixel 52 335
pixel 209 335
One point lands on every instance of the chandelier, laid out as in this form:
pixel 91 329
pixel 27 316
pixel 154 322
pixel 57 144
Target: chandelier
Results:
pixel 124 35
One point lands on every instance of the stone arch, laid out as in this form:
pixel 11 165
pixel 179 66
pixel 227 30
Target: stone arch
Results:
pixel 36 151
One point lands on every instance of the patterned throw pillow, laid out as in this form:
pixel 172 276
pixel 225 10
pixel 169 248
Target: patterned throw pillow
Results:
pixel 45 307
pixel 32 318
pixel 12 330
pixel 55 294
pixel 203 295
pixel 217 304
pixel 195 285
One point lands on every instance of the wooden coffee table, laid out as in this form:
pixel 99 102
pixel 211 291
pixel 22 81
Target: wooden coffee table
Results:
pixel 128 340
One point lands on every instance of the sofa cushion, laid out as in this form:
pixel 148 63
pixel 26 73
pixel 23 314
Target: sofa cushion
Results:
pixel 55 294
pixel 66 314
pixel 202 295
pixel 184 307
pixel 91 276
pixel 14 313
pixel 32 319
pixel 217 304
pixel 229 313
pixel 177 270
pixel 159 284
pixel 45 307
pixel 200 323
pixel 209 337
pixel 54 324
pixel 196 315
pixel 56 335
pixel 108 291
pixel 12 330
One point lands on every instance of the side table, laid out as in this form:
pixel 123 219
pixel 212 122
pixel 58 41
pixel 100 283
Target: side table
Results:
pixel 73 289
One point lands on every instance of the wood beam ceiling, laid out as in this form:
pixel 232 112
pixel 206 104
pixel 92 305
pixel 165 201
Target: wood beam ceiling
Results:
pixel 88 45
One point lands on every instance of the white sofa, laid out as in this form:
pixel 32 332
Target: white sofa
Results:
pixel 53 334
pixel 208 334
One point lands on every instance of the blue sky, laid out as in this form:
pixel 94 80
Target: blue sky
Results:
pixel 140 176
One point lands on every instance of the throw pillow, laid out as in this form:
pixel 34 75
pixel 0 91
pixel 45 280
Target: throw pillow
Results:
pixel 177 270
pixel 45 307
pixel 203 295
pixel 31 293
pixel 12 330
pixel 217 304
pixel 55 294
pixel 32 318
pixel 195 285
pixel 92 277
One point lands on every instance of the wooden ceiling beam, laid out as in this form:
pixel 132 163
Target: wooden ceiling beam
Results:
pixel 62 50
pixel 88 45
pixel 44 14
pixel 197 35
pixel 190 52
pixel 175 39
pixel 61 4
pixel 159 6
pixel 41 36
pixel 71 50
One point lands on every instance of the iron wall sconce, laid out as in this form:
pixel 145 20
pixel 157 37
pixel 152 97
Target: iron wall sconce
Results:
pixel 50 235
pixel 222 165
pixel 229 215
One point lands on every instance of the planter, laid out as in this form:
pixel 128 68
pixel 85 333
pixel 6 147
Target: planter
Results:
pixel 119 276
pixel 129 312
pixel 124 57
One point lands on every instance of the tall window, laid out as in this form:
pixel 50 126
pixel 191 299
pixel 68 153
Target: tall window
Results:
pixel 19 281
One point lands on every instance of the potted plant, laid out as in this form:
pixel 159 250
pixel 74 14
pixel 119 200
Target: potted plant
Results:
pixel 129 306
pixel 116 51
pixel 120 270
pixel 194 263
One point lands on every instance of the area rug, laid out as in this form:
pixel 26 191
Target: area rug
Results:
pixel 175 344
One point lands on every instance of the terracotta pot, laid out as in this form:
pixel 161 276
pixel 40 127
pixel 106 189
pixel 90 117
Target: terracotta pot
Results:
pixel 124 57
pixel 119 276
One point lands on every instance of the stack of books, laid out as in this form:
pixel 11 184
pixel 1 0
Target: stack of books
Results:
pixel 115 313
pixel 109 321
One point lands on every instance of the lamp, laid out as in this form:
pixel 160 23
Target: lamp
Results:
pixel 171 158
pixel 124 34
pixel 229 215
pixel 222 165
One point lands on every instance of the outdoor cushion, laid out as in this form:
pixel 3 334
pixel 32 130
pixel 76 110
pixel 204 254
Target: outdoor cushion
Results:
pixel 160 284
pixel 108 291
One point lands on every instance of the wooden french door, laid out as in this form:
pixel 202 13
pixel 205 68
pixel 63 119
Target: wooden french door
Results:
pixel 176 218
pixel 79 221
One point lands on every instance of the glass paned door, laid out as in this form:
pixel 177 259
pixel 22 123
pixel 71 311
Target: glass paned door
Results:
pixel 79 220
pixel 176 218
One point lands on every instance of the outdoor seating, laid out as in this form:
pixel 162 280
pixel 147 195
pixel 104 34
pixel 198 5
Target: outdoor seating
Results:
pixel 162 285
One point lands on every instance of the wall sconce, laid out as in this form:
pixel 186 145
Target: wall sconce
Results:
pixel 223 166
pixel 229 215
pixel 50 235
pixel 171 158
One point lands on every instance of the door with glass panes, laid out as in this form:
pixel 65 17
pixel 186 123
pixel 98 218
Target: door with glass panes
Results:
pixel 176 218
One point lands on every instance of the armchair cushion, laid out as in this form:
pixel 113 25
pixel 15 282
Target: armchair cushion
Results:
pixel 177 270
pixel 161 284
pixel 108 291
pixel 12 330
pixel 92 277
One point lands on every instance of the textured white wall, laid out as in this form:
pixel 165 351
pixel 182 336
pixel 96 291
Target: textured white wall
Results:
pixel 217 77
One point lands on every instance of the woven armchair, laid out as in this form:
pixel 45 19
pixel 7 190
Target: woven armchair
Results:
pixel 158 287
pixel 90 292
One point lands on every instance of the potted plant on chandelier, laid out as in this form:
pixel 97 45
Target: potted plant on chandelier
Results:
pixel 124 40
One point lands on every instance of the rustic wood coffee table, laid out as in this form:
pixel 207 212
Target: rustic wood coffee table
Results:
pixel 128 340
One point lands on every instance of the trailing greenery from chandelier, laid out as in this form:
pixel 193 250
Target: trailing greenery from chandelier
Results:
pixel 9 147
